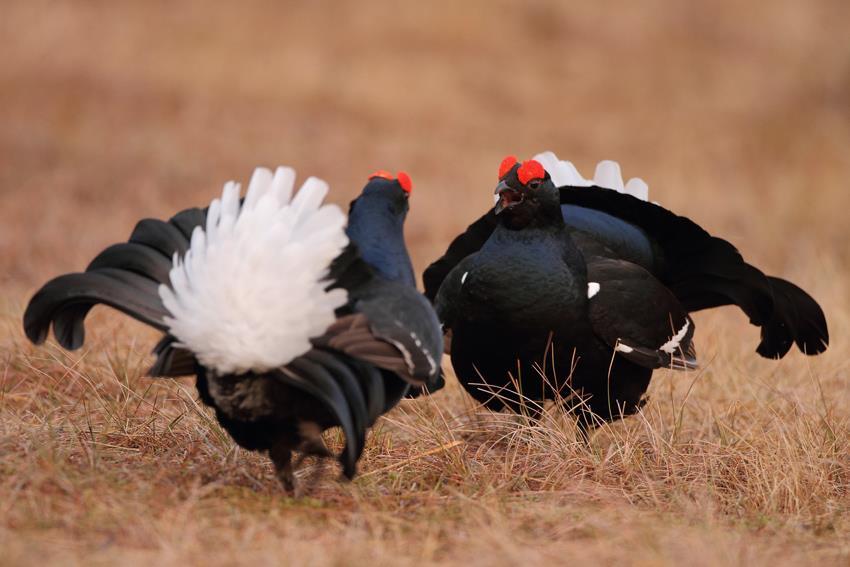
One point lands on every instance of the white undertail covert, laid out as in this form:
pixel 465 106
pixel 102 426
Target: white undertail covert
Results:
pixel 250 291
pixel 607 175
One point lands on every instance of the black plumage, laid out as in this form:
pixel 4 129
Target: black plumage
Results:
pixel 705 271
pixel 510 292
pixel 385 339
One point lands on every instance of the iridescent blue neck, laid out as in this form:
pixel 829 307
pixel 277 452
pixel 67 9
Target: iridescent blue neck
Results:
pixel 377 228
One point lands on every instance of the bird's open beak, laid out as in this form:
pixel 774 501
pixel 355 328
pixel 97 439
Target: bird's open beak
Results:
pixel 507 197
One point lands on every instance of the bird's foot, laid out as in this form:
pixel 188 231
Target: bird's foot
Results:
pixel 311 445
pixel 281 456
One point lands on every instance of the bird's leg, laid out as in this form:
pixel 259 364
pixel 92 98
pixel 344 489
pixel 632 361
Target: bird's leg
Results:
pixel 312 445
pixel 281 456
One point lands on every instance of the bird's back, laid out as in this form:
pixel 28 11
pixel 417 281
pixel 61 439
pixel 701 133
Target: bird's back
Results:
pixel 601 234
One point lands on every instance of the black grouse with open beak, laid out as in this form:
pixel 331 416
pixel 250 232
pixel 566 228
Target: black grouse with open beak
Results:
pixel 508 197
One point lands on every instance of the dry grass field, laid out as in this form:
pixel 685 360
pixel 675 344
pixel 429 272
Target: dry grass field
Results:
pixel 737 115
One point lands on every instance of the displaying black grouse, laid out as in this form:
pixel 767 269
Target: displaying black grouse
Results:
pixel 290 326
pixel 592 287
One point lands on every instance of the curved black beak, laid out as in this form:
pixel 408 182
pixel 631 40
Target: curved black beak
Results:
pixel 508 197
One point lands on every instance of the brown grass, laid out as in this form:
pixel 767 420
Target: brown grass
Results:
pixel 735 114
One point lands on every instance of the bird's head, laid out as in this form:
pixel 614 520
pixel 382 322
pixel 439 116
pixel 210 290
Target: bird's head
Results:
pixel 387 191
pixel 376 225
pixel 525 194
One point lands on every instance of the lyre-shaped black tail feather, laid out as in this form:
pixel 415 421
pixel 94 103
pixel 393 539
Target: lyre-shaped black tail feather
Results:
pixel 124 276
pixel 65 301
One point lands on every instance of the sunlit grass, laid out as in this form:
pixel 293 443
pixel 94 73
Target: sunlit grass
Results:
pixel 735 114
pixel 97 460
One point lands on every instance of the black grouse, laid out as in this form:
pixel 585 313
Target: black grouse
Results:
pixel 291 324
pixel 591 287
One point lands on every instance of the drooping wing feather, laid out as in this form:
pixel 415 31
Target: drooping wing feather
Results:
pixel 402 317
pixel 591 229
pixel 383 341
pixel 797 318
pixel 395 315
pixel 466 243
pixel 638 317
pixel 704 271
pixel 701 270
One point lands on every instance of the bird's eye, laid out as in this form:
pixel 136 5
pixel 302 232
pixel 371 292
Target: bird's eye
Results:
pixel 534 184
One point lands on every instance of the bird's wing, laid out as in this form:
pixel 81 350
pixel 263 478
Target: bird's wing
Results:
pixel 638 317
pixel 465 244
pixel 395 331
pixel 704 271
pixel 448 295
pixel 403 317
pixel 601 234
pixel 395 315
pixel 701 270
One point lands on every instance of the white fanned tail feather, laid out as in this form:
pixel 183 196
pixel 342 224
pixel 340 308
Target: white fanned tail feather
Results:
pixel 607 175
pixel 250 291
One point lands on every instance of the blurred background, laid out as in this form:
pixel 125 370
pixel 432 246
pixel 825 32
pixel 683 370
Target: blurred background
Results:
pixel 737 115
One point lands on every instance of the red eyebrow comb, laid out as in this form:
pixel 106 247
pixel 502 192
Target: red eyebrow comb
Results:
pixel 405 181
pixel 402 177
pixel 506 165
pixel 382 173
pixel 530 170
